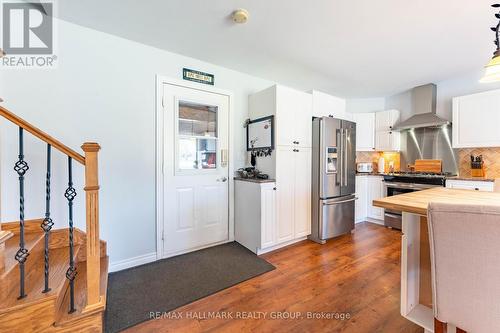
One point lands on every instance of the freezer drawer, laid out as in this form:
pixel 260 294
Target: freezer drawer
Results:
pixel 336 216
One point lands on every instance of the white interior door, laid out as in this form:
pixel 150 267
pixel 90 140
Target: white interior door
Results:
pixel 196 210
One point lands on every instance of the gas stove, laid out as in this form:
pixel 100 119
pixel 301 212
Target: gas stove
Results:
pixel 405 182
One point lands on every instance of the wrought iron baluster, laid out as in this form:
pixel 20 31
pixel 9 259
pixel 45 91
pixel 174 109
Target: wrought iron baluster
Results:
pixel 21 167
pixel 70 194
pixel 47 221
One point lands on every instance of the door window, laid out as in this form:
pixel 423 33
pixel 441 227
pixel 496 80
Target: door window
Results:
pixel 197 136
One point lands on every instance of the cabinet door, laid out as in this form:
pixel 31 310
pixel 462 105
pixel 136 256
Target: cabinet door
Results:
pixel 268 215
pixel 303 120
pixel 387 141
pixel 325 105
pixel 362 195
pixel 302 192
pixel 365 131
pixel 385 120
pixel 375 191
pixel 475 120
pixel 382 141
pixel 286 110
pixel 285 198
pixel 293 118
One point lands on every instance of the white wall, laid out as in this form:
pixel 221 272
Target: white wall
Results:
pixel 464 84
pixel 365 104
pixel 103 90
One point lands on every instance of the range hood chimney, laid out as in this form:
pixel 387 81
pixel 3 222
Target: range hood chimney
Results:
pixel 423 100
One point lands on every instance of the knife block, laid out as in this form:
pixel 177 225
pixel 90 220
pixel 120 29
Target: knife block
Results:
pixel 478 172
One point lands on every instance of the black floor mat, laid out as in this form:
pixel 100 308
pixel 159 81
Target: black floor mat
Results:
pixel 165 285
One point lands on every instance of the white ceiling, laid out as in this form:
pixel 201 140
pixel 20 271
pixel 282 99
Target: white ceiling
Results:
pixel 361 48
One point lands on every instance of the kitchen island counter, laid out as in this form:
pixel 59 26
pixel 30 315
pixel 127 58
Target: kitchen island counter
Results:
pixel 416 288
pixel 417 202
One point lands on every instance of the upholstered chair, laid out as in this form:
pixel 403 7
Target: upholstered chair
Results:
pixel 465 267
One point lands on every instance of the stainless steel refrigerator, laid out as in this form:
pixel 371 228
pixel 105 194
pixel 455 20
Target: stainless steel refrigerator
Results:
pixel 333 178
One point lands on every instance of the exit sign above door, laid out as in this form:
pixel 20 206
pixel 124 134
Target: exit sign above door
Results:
pixel 197 76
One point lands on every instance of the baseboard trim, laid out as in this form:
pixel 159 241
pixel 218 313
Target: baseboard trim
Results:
pixel 279 246
pixel 369 219
pixel 132 262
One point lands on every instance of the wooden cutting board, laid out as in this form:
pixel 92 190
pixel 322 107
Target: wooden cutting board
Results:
pixel 428 166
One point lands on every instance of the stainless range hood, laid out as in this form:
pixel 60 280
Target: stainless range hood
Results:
pixel 424 109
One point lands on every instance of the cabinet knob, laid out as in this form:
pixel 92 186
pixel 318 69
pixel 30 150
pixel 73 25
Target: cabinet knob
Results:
pixel 297 142
pixel 274 188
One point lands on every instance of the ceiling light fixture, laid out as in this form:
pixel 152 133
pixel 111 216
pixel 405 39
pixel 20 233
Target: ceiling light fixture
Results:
pixel 492 73
pixel 240 16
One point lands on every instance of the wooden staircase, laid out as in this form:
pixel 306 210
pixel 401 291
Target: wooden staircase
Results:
pixel 49 261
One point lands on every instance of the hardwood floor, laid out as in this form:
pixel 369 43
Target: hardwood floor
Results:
pixel 355 275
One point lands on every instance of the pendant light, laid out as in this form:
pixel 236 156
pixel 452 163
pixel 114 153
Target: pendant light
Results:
pixel 492 72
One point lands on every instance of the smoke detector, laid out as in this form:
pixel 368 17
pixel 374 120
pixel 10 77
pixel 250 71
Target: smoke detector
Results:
pixel 240 16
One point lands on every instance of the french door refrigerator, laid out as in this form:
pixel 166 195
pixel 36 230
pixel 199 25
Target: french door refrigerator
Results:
pixel 333 178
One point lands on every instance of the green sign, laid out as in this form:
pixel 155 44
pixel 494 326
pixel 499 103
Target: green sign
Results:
pixel 197 76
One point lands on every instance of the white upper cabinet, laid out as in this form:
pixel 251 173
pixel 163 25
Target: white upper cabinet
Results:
pixel 476 119
pixel 385 120
pixel 292 110
pixel 325 105
pixel 365 131
pixel 387 141
pixel 385 138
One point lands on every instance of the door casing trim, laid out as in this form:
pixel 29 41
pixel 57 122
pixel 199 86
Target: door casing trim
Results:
pixel 159 134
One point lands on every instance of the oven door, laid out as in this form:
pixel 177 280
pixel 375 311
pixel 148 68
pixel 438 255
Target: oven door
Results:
pixel 393 218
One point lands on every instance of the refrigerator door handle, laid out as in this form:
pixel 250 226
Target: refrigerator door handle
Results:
pixel 346 133
pixel 339 202
pixel 340 174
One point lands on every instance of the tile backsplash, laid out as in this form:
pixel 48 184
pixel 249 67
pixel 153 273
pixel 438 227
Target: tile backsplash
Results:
pixel 368 156
pixel 491 158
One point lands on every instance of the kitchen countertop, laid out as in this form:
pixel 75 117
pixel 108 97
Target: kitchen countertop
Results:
pixel 255 180
pixel 417 202
pixel 369 174
pixel 477 179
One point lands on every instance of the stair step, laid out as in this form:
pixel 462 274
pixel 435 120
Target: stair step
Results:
pixel 64 318
pixel 59 263
pixel 31 240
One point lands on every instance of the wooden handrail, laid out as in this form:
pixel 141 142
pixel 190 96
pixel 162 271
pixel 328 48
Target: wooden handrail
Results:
pixel 41 135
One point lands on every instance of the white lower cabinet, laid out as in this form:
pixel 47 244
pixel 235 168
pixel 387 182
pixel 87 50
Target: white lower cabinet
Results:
pixel 302 192
pixel 375 191
pixel 270 215
pixel 360 208
pixel 293 184
pixel 476 185
pixel 255 214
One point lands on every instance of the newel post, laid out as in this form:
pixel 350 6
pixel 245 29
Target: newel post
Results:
pixel 92 216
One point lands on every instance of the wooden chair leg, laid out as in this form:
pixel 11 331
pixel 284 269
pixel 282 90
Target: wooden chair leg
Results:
pixel 440 327
pixel 459 330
